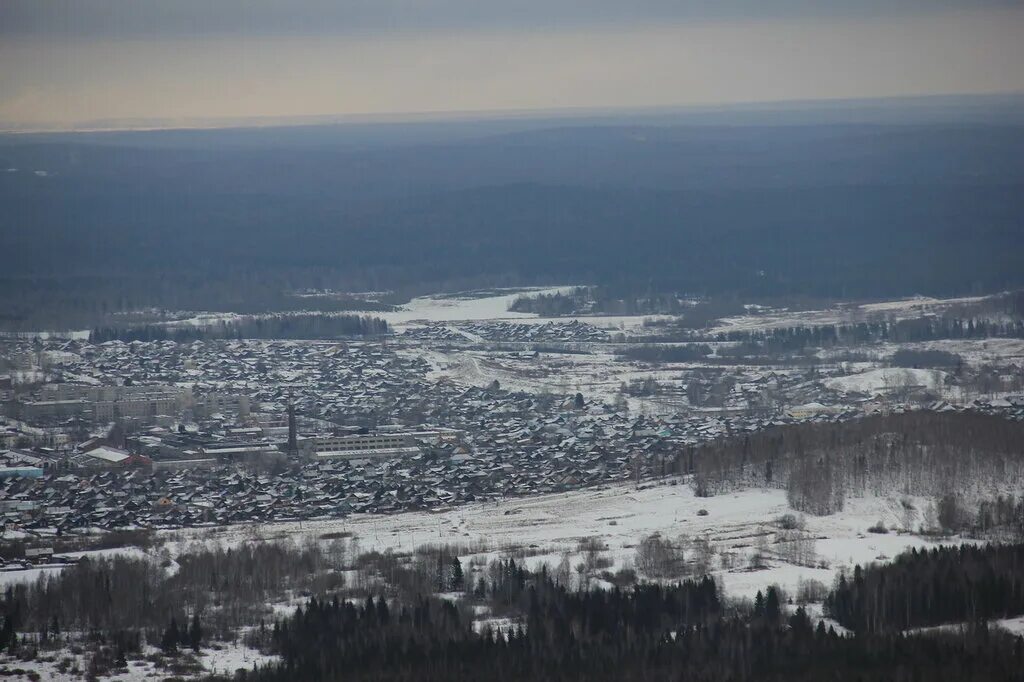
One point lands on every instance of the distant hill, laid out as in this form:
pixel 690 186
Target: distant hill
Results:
pixel 198 217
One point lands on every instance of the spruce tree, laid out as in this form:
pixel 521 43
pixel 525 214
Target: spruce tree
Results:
pixel 169 642
pixel 771 606
pixel 457 576
pixel 195 633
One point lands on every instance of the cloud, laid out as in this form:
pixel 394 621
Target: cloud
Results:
pixel 147 19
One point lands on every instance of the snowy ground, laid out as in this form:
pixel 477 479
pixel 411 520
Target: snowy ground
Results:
pixel 598 375
pixel 494 306
pixel 1014 626
pixel 455 307
pixel 549 525
pixel 885 379
pixel 28 575
pixel 221 658
pixel 843 314
pixel 973 351
pixel 228 658
pixel 546 528
pixel 460 307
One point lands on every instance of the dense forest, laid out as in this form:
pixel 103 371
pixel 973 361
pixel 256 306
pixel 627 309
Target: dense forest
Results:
pixel 790 339
pixel 966 584
pixel 650 632
pixel 65 301
pixel 121 222
pixel 139 596
pixel 600 300
pixel 915 453
pixel 284 326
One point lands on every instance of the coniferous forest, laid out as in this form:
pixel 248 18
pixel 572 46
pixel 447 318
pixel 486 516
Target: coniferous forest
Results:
pixel 650 632
pixel 301 325
pixel 229 220
pixel 925 588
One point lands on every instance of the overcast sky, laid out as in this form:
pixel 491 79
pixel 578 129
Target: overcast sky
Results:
pixel 87 63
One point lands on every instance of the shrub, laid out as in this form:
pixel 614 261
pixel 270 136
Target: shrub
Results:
pixel 624 577
pixel 657 557
pixel 791 522
pixel 811 591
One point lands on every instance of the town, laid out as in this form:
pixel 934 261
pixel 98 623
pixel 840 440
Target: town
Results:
pixel 162 434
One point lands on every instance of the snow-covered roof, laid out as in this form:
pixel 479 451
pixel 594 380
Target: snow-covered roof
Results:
pixel 109 454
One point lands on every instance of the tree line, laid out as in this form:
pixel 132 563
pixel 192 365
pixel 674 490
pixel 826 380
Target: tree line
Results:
pixel 914 453
pixel 650 632
pixel 228 587
pixel 618 299
pixel 662 353
pixel 794 339
pixel 280 326
pixel 965 584
pixel 69 302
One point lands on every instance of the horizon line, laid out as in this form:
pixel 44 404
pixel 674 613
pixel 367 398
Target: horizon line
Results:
pixel 454 116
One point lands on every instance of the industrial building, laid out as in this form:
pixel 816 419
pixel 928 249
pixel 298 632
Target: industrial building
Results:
pixel 138 404
pixel 361 445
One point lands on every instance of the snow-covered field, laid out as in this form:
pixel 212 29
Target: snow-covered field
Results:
pixel 918 305
pixel 597 375
pixel 885 379
pixel 30 575
pixel 1014 626
pixel 459 308
pixel 973 351
pixel 843 314
pixel 547 526
pixel 494 306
